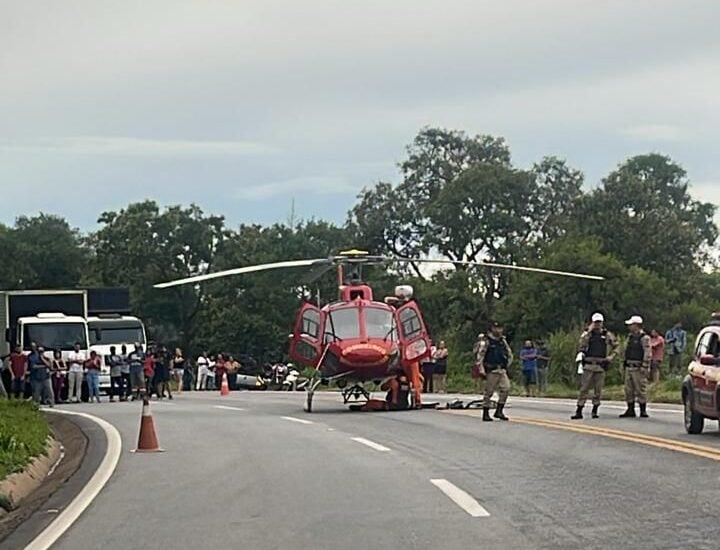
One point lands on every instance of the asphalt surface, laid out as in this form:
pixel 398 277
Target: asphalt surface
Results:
pixel 270 476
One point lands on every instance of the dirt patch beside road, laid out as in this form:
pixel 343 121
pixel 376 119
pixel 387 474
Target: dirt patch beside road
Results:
pixel 30 493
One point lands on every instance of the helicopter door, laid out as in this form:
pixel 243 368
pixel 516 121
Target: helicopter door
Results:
pixel 305 344
pixel 414 338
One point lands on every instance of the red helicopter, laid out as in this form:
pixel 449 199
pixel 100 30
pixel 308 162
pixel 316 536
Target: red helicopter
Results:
pixel 357 339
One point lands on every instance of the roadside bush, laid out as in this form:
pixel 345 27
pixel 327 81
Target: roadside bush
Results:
pixel 24 434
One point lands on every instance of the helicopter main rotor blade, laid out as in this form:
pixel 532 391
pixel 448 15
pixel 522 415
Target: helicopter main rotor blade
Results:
pixel 318 270
pixel 240 271
pixel 502 266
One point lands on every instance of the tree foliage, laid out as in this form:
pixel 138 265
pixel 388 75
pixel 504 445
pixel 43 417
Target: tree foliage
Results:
pixel 458 197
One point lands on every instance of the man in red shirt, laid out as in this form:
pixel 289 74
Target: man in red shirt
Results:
pixel 657 343
pixel 18 372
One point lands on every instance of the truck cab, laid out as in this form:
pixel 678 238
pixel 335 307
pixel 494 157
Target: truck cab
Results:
pixel 700 393
pixel 52 331
pixel 106 330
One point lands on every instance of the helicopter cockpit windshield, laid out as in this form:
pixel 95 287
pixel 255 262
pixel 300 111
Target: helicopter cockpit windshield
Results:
pixel 380 323
pixel 342 324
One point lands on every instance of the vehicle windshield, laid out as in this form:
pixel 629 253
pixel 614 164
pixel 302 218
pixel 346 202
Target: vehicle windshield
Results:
pixel 343 323
pixel 110 333
pixel 62 336
pixel 380 323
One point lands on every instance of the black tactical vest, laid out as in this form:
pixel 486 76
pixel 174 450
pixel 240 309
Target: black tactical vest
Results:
pixel 634 350
pixel 496 355
pixel 597 345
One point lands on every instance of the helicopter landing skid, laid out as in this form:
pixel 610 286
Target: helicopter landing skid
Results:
pixel 354 394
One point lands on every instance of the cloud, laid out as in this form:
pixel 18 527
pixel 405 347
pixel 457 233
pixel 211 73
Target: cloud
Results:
pixel 313 185
pixel 128 146
pixel 656 132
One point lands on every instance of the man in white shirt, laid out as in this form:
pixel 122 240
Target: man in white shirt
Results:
pixel 203 365
pixel 75 362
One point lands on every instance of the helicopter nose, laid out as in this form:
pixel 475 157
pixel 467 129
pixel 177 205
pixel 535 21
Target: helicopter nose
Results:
pixel 365 353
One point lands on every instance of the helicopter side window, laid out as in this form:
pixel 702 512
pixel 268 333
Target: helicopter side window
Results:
pixel 410 321
pixel 311 323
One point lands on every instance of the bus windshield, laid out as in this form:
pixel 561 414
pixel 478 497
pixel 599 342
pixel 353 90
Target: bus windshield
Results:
pixel 111 333
pixel 62 336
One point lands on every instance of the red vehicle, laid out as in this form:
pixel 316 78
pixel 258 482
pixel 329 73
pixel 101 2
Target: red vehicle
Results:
pixel 700 394
pixel 357 339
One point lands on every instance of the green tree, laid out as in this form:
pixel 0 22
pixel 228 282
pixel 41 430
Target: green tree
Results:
pixel 645 216
pixel 142 245
pixel 43 252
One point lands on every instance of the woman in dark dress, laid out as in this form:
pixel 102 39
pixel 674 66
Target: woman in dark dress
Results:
pixel 162 373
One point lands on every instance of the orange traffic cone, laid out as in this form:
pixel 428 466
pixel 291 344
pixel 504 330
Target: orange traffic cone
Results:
pixel 147 440
pixel 225 387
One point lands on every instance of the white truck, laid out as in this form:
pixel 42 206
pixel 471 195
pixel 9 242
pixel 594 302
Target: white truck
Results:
pixel 54 319
pixel 114 329
pixel 58 319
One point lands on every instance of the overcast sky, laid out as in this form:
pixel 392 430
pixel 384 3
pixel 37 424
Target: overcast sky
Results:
pixel 241 106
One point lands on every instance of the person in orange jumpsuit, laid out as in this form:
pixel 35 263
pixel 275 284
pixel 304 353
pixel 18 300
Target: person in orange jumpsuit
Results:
pixel 412 371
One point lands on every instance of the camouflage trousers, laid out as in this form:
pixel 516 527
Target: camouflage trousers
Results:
pixel 496 380
pixel 593 376
pixel 636 379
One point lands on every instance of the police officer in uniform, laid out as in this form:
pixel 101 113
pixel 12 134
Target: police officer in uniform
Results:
pixel 638 354
pixel 493 358
pixel 599 347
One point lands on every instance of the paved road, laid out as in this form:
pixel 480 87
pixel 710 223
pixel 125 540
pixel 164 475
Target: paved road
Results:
pixel 264 478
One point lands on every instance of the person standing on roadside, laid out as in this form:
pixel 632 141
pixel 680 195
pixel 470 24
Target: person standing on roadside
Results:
pixel 676 342
pixel 18 372
pixel 493 360
pixel 92 372
pixel 638 354
pixel 116 380
pixel 40 377
pixel 178 368
pixel 75 361
pixel 149 372
pixel 137 376
pixel 220 370
pixel 441 363
pixel 543 364
pixel 59 373
pixel 203 366
pixel 598 347
pixel 162 373
pixel 125 373
pixel 657 343
pixel 528 356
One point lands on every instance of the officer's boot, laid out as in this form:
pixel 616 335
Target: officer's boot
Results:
pixel 595 411
pixel 630 412
pixel 486 414
pixel 578 414
pixel 499 412
pixel 643 411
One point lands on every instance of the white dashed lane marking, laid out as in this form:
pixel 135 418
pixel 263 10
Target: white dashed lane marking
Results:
pixel 297 420
pixel 370 444
pixel 228 408
pixel 461 498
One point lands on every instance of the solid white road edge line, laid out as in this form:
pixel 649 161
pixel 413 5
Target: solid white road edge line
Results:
pixel 461 498
pixel 298 420
pixel 370 444
pixel 228 408
pixel 91 490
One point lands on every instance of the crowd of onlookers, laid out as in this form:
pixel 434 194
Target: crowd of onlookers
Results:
pixel 49 378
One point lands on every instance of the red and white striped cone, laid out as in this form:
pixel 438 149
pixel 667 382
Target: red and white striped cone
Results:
pixel 147 439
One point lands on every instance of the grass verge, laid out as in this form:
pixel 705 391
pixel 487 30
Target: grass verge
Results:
pixel 24 435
